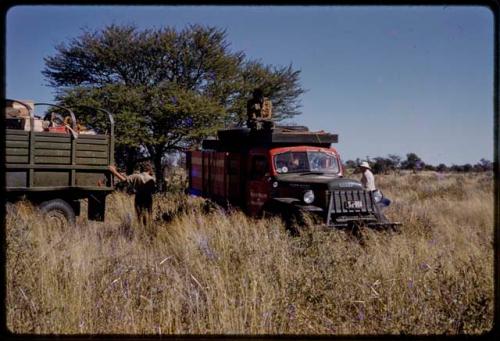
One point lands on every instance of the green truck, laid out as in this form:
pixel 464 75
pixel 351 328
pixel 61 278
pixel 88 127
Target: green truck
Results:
pixel 56 169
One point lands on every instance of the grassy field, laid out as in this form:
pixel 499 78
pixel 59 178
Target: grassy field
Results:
pixel 221 273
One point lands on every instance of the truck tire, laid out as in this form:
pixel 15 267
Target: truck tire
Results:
pixel 58 209
pixel 296 222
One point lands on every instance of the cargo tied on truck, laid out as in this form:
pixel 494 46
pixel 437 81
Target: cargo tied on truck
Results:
pixel 53 163
pixel 289 171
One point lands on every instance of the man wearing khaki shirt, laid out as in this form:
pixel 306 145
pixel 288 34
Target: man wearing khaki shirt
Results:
pixel 144 184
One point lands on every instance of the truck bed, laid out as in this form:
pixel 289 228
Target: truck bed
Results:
pixel 41 161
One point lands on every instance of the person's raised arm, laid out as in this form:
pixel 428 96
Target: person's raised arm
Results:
pixel 113 170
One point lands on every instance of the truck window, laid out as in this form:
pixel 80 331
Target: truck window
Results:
pixel 291 162
pixel 317 161
pixel 259 167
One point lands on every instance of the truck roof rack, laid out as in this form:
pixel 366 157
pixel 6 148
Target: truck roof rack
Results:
pixel 280 136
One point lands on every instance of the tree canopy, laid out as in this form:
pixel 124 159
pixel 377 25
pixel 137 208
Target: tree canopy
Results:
pixel 167 88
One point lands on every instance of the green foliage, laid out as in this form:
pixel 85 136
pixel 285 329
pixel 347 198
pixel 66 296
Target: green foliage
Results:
pixel 413 161
pixel 125 103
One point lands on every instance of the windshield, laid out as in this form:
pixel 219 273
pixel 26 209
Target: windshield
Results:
pixel 311 161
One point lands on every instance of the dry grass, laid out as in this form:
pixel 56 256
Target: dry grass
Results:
pixel 225 273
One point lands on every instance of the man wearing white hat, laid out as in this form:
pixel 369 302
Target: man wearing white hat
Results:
pixel 367 180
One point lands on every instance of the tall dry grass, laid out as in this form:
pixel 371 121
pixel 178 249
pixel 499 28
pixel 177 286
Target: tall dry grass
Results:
pixel 222 273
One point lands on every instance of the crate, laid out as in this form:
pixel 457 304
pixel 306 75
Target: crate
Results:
pixel 59 130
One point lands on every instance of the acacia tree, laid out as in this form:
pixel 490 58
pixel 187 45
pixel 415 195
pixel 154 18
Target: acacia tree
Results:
pixel 413 161
pixel 167 88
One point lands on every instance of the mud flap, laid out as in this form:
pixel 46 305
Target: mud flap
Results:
pixel 96 206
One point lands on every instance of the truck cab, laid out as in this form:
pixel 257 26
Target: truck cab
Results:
pixel 289 172
pixel 285 172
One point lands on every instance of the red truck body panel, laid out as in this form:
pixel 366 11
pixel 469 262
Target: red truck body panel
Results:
pixel 238 178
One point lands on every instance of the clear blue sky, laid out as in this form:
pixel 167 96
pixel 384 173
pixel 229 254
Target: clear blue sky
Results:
pixel 388 80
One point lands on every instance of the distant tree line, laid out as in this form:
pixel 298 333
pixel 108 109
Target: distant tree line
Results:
pixel 413 162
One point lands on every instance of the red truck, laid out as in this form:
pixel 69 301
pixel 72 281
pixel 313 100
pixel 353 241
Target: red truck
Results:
pixel 286 171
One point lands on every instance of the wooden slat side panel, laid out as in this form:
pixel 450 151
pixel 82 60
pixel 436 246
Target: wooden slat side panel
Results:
pixel 16 151
pixel 234 170
pixel 16 144
pixel 51 178
pixel 54 146
pixel 218 179
pixel 57 139
pixel 9 132
pixel 16 159
pixel 91 147
pixel 52 152
pixel 90 153
pixel 90 179
pixel 91 141
pixel 196 183
pixel 205 157
pixel 91 161
pixel 93 137
pixel 196 176
pixel 16 138
pixel 52 159
pixel 50 134
pixel 196 171
pixel 16 179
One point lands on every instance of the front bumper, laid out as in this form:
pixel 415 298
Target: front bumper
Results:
pixel 340 214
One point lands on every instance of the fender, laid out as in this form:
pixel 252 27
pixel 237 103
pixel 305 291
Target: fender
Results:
pixel 281 205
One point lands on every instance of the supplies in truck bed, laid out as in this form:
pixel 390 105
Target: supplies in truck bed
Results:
pixel 17 116
pixel 17 110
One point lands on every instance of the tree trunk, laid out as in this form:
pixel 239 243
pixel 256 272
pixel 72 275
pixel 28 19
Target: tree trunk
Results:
pixel 125 158
pixel 160 182
pixel 131 156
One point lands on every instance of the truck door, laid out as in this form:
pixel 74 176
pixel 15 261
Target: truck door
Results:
pixel 258 185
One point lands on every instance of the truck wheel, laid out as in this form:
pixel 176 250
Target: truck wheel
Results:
pixel 295 222
pixel 355 231
pixel 58 211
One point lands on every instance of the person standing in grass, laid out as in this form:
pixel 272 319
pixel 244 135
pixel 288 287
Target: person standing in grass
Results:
pixel 367 179
pixel 368 182
pixel 143 184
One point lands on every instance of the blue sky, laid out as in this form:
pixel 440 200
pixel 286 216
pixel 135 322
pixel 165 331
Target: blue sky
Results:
pixel 388 80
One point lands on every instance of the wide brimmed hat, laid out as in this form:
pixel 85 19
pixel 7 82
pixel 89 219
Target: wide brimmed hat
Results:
pixel 365 164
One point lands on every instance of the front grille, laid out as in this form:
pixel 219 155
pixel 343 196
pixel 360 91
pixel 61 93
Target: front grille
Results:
pixel 340 199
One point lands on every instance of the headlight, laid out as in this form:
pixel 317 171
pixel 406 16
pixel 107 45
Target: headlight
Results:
pixel 377 196
pixel 308 197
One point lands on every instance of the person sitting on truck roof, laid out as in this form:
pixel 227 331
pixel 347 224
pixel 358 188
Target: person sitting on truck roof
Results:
pixel 144 184
pixel 259 111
